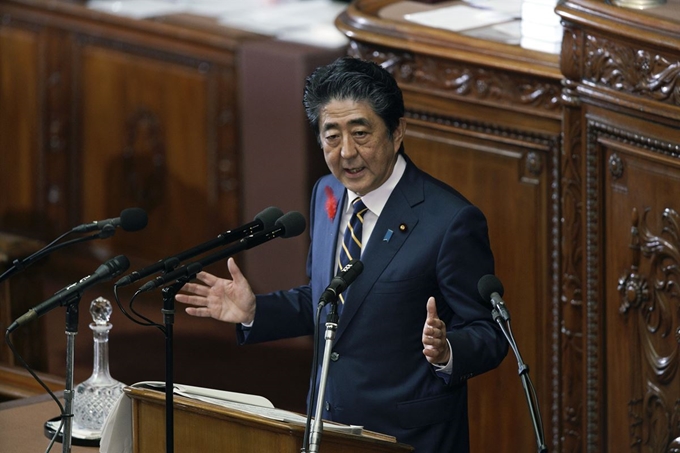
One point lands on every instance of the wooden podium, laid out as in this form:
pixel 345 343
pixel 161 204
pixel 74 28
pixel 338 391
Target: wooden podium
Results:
pixel 202 426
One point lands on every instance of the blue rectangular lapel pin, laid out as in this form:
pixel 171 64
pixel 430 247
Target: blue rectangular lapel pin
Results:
pixel 388 236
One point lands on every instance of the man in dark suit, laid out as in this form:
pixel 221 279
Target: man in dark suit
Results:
pixel 413 328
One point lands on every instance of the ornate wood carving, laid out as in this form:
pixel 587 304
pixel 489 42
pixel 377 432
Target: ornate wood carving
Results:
pixel 636 71
pixel 653 301
pixel 570 57
pixel 615 166
pixel 571 316
pixel 453 78
pixel 653 413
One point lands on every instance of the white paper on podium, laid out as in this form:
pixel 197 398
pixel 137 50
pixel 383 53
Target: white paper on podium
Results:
pixel 459 18
pixel 117 430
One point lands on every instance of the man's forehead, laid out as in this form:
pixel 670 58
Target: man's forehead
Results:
pixel 336 113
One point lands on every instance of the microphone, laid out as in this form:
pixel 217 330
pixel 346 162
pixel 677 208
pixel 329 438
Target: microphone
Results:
pixel 288 225
pixel 108 270
pixel 264 220
pixel 131 219
pixel 340 282
pixel 490 288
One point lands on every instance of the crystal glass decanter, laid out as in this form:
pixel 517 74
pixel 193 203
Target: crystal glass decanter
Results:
pixel 94 398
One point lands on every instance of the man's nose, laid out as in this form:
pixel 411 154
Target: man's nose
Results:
pixel 348 149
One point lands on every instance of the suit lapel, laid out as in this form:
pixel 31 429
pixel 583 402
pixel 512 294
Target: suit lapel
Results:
pixel 330 229
pixel 393 228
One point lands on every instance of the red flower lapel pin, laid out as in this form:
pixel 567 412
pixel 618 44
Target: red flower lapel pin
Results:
pixel 331 203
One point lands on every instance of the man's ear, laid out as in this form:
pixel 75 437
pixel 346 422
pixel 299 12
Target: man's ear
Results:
pixel 399 134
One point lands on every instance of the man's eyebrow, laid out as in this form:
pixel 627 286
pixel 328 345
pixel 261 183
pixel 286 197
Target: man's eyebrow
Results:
pixel 354 122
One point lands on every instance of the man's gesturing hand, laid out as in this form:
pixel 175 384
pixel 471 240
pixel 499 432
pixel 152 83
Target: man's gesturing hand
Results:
pixel 220 298
pixel 435 346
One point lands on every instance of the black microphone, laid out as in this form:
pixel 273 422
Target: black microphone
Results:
pixel 131 219
pixel 108 270
pixel 490 288
pixel 340 282
pixel 266 219
pixel 288 225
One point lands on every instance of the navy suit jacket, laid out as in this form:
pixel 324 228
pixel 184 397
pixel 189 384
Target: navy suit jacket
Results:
pixel 428 241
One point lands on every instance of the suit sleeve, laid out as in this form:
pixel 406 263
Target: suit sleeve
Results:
pixel 477 343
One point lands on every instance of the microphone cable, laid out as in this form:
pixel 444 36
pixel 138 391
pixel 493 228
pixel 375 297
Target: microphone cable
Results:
pixel 146 322
pixel 62 411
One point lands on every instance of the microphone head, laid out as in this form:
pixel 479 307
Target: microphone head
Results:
pixel 133 219
pixel 488 285
pixel 351 271
pixel 118 265
pixel 113 267
pixel 269 216
pixel 293 224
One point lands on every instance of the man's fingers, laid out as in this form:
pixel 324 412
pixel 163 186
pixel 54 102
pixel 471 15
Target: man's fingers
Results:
pixel 234 270
pixel 207 278
pixel 198 311
pixel 431 309
pixel 195 288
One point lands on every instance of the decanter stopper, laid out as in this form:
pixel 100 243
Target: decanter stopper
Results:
pixel 94 398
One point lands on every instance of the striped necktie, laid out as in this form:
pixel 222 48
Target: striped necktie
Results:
pixel 351 243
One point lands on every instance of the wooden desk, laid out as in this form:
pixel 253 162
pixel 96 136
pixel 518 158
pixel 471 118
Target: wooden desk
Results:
pixel 21 425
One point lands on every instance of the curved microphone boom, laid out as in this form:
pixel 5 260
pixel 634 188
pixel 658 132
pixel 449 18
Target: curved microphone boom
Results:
pixel 264 220
pixel 288 225
pixel 110 269
pixel 131 219
pixel 491 289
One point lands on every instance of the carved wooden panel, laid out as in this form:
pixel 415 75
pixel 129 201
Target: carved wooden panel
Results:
pixel 642 310
pixel 620 172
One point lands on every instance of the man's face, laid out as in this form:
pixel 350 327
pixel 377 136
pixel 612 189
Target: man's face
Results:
pixel 356 144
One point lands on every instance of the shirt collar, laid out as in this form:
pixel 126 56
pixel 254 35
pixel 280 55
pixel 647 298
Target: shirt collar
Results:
pixel 376 200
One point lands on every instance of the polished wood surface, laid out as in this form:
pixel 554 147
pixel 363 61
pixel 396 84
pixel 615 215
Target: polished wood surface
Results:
pixel 620 352
pixel 22 425
pixel 202 426
pixel 485 117
pixel 17 383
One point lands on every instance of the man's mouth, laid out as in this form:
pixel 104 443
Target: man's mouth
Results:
pixel 353 171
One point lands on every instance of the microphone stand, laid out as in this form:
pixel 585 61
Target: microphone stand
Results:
pixel 71 332
pixel 502 317
pixel 331 328
pixel 168 311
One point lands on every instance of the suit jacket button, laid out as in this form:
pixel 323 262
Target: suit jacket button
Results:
pixel 335 356
pixel 328 406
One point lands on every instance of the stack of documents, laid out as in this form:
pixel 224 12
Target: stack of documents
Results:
pixel 541 27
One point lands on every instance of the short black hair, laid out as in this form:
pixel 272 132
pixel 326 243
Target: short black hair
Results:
pixel 358 80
